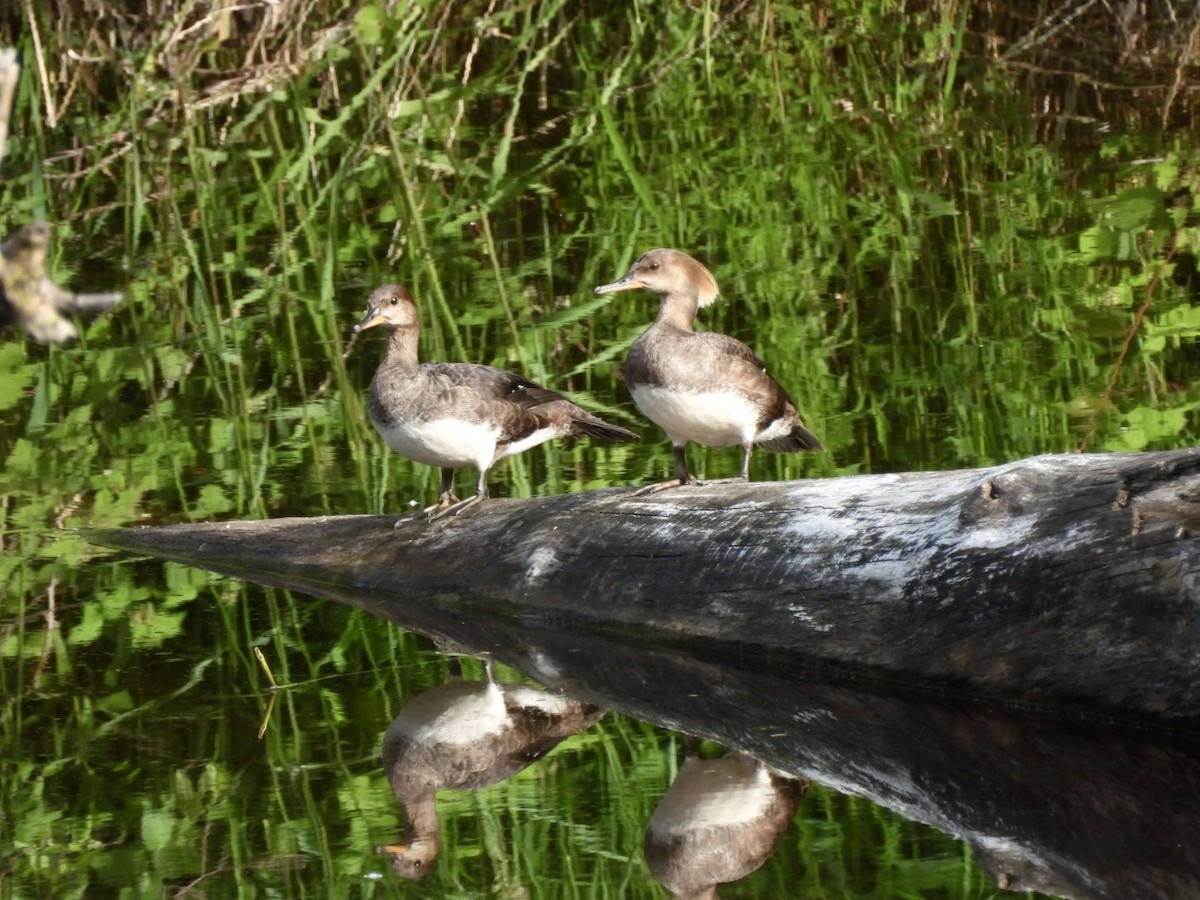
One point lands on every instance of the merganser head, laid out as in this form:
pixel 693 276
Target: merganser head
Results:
pixel 667 273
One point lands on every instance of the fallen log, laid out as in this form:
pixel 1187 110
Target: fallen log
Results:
pixel 1005 780
pixel 1066 579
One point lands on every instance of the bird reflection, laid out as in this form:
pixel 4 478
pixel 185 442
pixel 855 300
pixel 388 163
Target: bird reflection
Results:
pixel 28 295
pixel 466 735
pixel 719 821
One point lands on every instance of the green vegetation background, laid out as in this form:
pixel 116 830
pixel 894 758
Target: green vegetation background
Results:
pixel 937 284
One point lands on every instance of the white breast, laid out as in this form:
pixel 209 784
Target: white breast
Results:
pixel 712 418
pixel 446 443
pixel 455 713
pixel 714 793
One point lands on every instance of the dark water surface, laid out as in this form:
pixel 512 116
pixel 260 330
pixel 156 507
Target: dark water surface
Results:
pixel 937 284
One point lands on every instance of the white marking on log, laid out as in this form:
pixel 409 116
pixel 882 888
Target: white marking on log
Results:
pixel 803 615
pixel 542 561
pixel 996 535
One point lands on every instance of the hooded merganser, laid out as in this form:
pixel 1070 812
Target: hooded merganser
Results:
pixel 466 735
pixel 699 385
pixel 720 820
pixel 458 415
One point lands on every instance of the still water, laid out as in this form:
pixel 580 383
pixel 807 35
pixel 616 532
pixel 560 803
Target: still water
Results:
pixel 172 768
pixel 937 283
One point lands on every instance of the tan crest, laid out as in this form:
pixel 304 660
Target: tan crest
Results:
pixel 706 285
pixel 694 271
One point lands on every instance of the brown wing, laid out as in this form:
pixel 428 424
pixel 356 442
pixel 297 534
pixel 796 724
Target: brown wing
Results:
pixel 519 405
pixel 703 360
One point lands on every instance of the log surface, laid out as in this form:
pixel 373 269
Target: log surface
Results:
pixel 1067 578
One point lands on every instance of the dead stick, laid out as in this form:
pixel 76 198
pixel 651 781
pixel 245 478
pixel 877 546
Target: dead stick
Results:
pixel 262 661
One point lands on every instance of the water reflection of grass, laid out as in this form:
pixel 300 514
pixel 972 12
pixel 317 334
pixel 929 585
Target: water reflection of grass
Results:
pixel 935 286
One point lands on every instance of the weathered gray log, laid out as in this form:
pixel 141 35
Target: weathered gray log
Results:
pixel 1004 780
pixel 1068 578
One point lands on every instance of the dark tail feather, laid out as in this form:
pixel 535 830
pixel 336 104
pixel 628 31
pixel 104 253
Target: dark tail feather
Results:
pixel 800 438
pixel 593 426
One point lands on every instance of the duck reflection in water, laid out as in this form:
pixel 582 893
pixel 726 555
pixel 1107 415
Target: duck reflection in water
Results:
pixel 466 735
pixel 720 820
